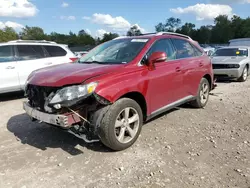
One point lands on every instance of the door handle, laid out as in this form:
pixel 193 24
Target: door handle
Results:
pixel 201 64
pixel 178 69
pixel 10 67
pixel 48 63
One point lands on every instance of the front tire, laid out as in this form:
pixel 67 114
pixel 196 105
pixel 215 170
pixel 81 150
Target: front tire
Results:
pixel 121 125
pixel 202 95
pixel 244 75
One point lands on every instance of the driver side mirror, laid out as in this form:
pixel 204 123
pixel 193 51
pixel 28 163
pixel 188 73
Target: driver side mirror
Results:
pixel 157 57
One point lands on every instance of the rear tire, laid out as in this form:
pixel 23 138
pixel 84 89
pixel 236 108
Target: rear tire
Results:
pixel 244 75
pixel 202 95
pixel 121 125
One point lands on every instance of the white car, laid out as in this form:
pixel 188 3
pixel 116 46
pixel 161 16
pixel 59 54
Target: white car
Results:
pixel 19 58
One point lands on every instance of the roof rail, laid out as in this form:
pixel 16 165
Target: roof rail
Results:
pixel 31 41
pixel 172 33
pixel 120 37
pixel 168 33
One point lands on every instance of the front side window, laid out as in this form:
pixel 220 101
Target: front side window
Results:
pixel 115 51
pixel 30 52
pixel 184 49
pixel 6 54
pixel 231 52
pixel 163 45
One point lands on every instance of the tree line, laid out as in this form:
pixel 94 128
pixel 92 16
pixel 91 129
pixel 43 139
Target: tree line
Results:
pixel 223 29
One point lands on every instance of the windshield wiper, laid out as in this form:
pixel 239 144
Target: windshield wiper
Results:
pixel 90 62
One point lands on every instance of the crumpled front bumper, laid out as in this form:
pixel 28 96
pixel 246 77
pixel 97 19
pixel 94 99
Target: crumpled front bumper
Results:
pixel 60 120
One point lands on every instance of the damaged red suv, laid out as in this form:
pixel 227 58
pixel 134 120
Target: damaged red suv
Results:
pixel 110 92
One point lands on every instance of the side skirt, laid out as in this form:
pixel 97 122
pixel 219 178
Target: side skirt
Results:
pixel 170 106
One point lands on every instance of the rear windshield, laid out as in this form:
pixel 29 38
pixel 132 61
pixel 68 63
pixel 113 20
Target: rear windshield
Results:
pixel 231 52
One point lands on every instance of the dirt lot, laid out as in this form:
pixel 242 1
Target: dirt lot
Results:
pixel 184 148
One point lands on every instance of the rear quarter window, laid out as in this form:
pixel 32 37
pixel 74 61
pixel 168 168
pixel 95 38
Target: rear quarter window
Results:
pixel 197 51
pixel 55 51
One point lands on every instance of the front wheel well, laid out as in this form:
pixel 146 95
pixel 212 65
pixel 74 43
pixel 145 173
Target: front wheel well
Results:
pixel 139 98
pixel 209 79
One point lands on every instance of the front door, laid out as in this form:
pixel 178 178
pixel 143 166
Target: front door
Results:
pixel 165 80
pixel 8 70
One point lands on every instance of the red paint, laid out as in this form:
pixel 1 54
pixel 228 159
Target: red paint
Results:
pixel 161 85
pixel 68 74
pixel 73 59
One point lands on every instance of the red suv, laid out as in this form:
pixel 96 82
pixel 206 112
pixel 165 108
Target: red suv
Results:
pixel 108 93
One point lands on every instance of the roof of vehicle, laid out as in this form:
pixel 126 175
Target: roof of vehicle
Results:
pixel 151 35
pixel 240 39
pixel 229 47
pixel 33 42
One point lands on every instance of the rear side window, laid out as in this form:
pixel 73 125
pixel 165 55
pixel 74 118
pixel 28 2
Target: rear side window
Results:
pixel 30 52
pixel 55 51
pixel 184 49
pixel 197 51
pixel 6 54
pixel 163 45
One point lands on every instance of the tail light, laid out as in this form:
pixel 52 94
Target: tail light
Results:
pixel 73 59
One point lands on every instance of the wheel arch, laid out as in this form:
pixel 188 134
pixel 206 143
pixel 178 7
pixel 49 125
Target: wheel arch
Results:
pixel 140 99
pixel 209 79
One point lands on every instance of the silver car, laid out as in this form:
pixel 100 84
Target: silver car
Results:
pixel 231 62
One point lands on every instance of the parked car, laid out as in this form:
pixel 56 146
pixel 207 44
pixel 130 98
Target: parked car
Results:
pixel 80 54
pixel 19 58
pixel 120 84
pixel 209 50
pixel 231 63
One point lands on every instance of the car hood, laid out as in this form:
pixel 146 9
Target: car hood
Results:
pixel 227 60
pixel 67 74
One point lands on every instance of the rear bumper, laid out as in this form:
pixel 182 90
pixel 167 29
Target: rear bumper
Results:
pixel 64 121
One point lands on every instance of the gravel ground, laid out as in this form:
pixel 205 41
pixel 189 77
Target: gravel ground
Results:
pixel 183 148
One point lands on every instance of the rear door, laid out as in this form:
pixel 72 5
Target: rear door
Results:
pixel 165 79
pixel 29 58
pixel 8 70
pixel 191 65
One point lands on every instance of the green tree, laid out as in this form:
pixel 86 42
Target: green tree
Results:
pixel 171 25
pixel 32 33
pixel 134 31
pixel 109 36
pixel 237 26
pixel 222 32
pixel 8 34
pixel 187 29
pixel 245 27
pixel 203 35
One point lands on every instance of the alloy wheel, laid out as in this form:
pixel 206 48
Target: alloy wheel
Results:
pixel 204 93
pixel 127 125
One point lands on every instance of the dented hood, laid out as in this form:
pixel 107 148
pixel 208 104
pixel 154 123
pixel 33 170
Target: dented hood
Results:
pixel 67 74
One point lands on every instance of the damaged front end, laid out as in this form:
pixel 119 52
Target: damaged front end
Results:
pixel 72 108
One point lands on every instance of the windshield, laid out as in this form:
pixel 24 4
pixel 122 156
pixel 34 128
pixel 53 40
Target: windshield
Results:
pixel 231 52
pixel 115 51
